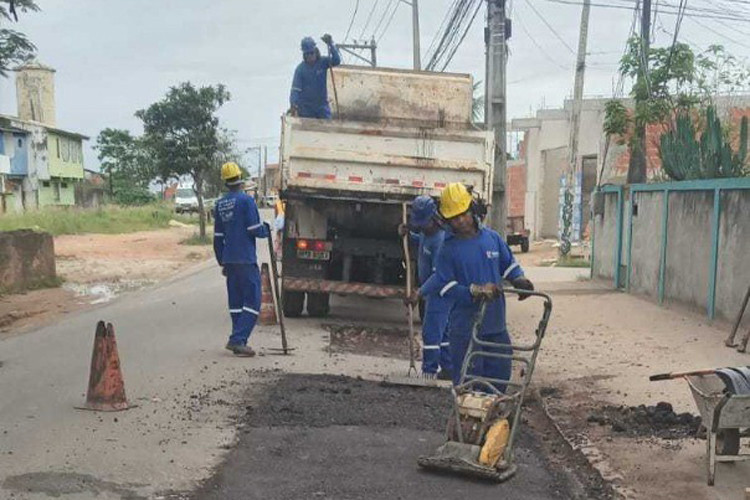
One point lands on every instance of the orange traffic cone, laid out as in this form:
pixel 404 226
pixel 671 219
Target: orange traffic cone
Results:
pixel 106 390
pixel 267 310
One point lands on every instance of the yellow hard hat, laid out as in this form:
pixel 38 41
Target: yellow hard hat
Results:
pixel 454 200
pixel 230 170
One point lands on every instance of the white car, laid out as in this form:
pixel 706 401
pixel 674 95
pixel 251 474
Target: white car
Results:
pixel 185 200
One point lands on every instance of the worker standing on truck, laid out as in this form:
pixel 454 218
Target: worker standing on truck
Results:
pixel 236 226
pixel 472 266
pixel 309 96
pixel 430 237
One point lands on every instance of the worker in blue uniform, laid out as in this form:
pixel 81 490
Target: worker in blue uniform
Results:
pixel 309 95
pixel 236 226
pixel 430 237
pixel 471 267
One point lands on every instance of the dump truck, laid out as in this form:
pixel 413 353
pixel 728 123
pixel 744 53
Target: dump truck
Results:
pixel 395 134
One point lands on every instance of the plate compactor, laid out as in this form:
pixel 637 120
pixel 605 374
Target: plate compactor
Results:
pixel 486 413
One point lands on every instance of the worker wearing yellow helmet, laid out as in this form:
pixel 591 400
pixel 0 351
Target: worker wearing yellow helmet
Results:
pixel 472 266
pixel 236 226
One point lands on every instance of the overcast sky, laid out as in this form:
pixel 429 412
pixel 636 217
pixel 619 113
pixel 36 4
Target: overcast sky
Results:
pixel 115 57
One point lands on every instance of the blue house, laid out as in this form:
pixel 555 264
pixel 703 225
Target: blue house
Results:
pixel 14 167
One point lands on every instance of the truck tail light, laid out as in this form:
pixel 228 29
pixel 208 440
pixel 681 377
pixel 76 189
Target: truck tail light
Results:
pixel 315 245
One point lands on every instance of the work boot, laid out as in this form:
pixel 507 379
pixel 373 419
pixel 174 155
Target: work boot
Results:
pixel 244 351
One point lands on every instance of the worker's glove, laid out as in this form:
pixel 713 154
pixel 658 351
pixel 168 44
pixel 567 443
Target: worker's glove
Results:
pixel 293 111
pixel 488 291
pixel 523 283
pixel 328 39
pixel 266 230
pixel 403 230
pixel 413 299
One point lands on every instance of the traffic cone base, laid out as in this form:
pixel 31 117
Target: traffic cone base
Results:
pixel 267 314
pixel 106 391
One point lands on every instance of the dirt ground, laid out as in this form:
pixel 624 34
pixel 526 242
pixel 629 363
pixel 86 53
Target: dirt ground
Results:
pixel 96 268
pixel 599 351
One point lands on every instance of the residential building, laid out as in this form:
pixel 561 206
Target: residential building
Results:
pixel 40 164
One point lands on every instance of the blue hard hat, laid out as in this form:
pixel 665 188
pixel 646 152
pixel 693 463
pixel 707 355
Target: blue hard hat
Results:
pixel 307 44
pixel 423 209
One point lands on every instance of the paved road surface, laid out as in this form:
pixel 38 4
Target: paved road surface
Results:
pixel 189 390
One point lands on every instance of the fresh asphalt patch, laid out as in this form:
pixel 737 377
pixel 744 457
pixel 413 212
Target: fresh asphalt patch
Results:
pixel 317 436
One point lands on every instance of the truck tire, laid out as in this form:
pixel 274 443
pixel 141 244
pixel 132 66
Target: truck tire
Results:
pixel 294 303
pixel 525 245
pixel 318 304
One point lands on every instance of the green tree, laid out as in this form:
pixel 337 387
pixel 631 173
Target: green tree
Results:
pixel 127 164
pixel 15 48
pixel 182 133
pixel 228 150
pixel 675 81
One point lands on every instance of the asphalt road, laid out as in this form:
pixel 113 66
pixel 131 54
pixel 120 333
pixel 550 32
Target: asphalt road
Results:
pixel 342 438
pixel 191 398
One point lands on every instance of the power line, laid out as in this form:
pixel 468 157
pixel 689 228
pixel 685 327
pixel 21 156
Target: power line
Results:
pixel 541 49
pixel 369 18
pixel 351 23
pixel 463 36
pixel 549 26
pixel 390 20
pixel 701 13
pixel 382 17
pixel 722 35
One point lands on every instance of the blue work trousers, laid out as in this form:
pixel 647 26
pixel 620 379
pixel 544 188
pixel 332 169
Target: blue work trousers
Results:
pixel 482 366
pixel 320 112
pixel 435 344
pixel 243 289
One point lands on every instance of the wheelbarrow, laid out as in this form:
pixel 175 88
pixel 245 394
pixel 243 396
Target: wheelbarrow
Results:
pixel 486 416
pixel 723 415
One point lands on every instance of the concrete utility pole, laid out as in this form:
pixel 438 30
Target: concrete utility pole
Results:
pixel 372 46
pixel 575 127
pixel 495 103
pixel 637 165
pixel 415 34
pixel 265 165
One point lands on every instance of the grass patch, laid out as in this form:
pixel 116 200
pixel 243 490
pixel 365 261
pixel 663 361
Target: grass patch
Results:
pixel 110 219
pixel 38 284
pixel 196 240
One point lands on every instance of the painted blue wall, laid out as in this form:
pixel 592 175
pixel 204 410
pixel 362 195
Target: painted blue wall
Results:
pixel 19 164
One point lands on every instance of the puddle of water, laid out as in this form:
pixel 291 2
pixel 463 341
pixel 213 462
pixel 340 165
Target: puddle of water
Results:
pixel 101 293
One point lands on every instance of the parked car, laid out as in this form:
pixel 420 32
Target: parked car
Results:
pixel 185 200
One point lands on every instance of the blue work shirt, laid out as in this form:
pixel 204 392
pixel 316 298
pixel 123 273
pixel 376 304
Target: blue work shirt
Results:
pixel 236 225
pixel 485 258
pixel 309 91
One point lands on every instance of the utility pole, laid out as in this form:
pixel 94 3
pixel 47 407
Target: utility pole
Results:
pixel 575 127
pixel 637 165
pixel 415 34
pixel 495 103
pixel 265 165
pixel 372 46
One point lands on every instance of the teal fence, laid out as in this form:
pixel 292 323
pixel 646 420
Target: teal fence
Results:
pixel 684 241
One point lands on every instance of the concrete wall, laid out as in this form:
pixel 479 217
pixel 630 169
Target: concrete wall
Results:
pixel 605 242
pixel 733 274
pixel 27 260
pixel 65 156
pixel 647 236
pixel 553 165
pixel 689 247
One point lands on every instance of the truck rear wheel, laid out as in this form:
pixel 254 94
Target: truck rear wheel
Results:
pixel 294 303
pixel 525 245
pixel 318 304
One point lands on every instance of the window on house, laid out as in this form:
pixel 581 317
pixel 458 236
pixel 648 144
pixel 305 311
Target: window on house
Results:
pixel 57 191
pixel 20 143
pixel 45 184
pixel 64 185
pixel 57 140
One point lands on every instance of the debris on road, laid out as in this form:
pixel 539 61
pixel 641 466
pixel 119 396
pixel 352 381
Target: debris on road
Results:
pixel 648 421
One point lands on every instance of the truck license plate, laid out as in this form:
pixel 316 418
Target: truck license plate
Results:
pixel 312 255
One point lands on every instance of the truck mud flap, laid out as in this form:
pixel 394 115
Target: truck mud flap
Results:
pixel 342 288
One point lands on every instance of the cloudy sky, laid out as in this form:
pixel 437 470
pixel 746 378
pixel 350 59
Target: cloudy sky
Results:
pixel 114 57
